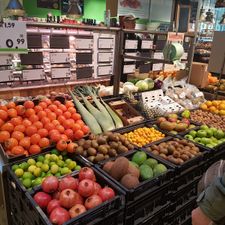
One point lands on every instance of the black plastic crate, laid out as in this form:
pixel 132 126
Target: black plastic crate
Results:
pixel 185 194
pixel 181 216
pixel 109 212
pixel 145 188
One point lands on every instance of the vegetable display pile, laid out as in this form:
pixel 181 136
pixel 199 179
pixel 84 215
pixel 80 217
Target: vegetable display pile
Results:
pixel 99 118
pixel 176 151
pixel 33 171
pixel 69 197
pixel 26 129
pixel 208 118
pixel 209 137
pixel 131 173
pixel 100 147
pixel 143 136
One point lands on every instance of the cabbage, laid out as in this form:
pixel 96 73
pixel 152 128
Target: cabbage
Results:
pixel 142 85
pixel 150 83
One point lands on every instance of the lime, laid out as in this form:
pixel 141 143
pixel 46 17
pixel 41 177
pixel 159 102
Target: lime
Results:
pixel 60 163
pixel 27 182
pixel 54 158
pixel 43 174
pixel 78 167
pixel 47 156
pixel 31 168
pixel 65 170
pixel 52 163
pixel 55 151
pixel 54 169
pixel 31 161
pixel 45 167
pixel 19 172
pixel 24 165
pixel 46 161
pixel 39 164
pixel 37 172
pixel 27 175
pixel 14 167
pixel 37 182
pixel 68 161
pixel 71 165
pixel 40 158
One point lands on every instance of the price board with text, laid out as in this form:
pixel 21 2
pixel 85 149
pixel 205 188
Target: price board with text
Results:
pixel 13 37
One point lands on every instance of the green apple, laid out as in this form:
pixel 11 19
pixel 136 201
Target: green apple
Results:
pixel 204 127
pixel 197 139
pixel 39 164
pixel 27 175
pixel 210 146
pixel 209 133
pixel 14 167
pixel 213 129
pixel 31 161
pixel 24 165
pixel 40 158
pixel 206 141
pixel 219 134
pixel 31 168
pixel 27 182
pixel 37 172
pixel 191 126
pixel 45 167
pixel 46 161
pixel 189 137
pixel 193 133
pixel 37 181
pixel 65 170
pixel 55 151
pixel 201 133
pixel 48 156
pixel 19 172
pixel 186 113
pixel 60 163
pixel 71 165
pixel 78 168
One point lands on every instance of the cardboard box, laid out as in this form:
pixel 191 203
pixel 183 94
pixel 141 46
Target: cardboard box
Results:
pixel 199 74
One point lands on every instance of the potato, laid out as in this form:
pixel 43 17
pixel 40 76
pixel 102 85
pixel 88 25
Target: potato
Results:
pixel 155 152
pixel 184 157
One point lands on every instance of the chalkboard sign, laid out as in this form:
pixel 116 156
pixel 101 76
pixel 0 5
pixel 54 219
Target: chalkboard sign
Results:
pixel 183 18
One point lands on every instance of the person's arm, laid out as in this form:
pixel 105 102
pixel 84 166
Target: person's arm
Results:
pixel 212 200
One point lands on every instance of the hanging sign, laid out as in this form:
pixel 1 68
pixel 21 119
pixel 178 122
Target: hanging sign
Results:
pixel 13 37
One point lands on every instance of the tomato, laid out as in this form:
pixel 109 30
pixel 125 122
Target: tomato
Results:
pixel 20 128
pixel 4 135
pixel 47 111
pixel 49 126
pixel 34 149
pixel 71 147
pixel 10 143
pixel 25 142
pixel 35 138
pixel 43 132
pixel 69 104
pixel 68 198
pixel 67 115
pixel 64 137
pixel 45 120
pixel 47 101
pixel 34 118
pixel 76 116
pixel 3 107
pixel 76 127
pixel 61 119
pixel 72 110
pixel 86 173
pixel 43 105
pixel 57 103
pixel 7 127
pixel 3 115
pixel 29 112
pixel 69 133
pixel 61 145
pixel 31 130
pixel 62 107
pixel 38 124
pixel 77 210
pixel 28 104
pixel 52 116
pixel 55 122
pixel 12 113
pixel 17 150
pixel 67 124
pixel 38 108
pixel 11 105
pixel 16 121
pixel 26 123
pixel 80 122
pixel 78 135
pixel 85 129
pixel 1 122
pixel 55 137
pixel 52 107
pixel 20 110
pixel 60 128
pixel 58 112
pixel 86 188
pixel 17 135
pixel 44 142
pixel 41 114
pixel 92 201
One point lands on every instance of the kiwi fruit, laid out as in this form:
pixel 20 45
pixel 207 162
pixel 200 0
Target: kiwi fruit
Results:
pixel 119 168
pixel 122 149
pixel 129 181
pixel 79 150
pixel 92 137
pixel 94 144
pixel 112 152
pixel 103 149
pixel 107 156
pixel 113 144
pixel 101 140
pixel 81 142
pixel 91 158
pixel 133 170
pixel 99 157
pixel 87 144
pixel 92 151
pixel 130 147
pixel 107 167
pixel 155 152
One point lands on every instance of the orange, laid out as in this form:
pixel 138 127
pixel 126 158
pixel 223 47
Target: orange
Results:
pixel 212 109
pixel 222 106
pixel 10 143
pixel 17 135
pixel 25 142
pixel 12 113
pixel 208 103
pixel 203 106
pixel 17 150
pixel 222 112
pixel 4 135
pixel 44 142
pixel 34 149
pixel 7 127
pixel 35 138
pixel 30 130
pixel 3 115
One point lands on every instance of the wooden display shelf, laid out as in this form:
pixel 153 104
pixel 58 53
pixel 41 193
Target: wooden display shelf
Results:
pixel 44 89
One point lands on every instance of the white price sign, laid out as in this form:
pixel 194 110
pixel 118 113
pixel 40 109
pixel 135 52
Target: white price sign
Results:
pixel 13 37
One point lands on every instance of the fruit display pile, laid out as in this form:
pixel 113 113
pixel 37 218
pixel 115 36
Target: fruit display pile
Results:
pixel 217 107
pixel 131 173
pixel 100 147
pixel 176 151
pixel 143 136
pixel 173 124
pixel 209 137
pixel 208 118
pixel 28 128
pixel 71 196
pixel 33 171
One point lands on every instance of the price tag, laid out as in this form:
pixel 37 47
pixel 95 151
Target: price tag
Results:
pixel 158 55
pixel 105 56
pixel 104 70
pixel 36 74
pixel 131 44
pixel 185 56
pixel 130 54
pixel 13 37
pixel 84 43
pixel 61 72
pixel 157 67
pixel 129 69
pixel 60 57
pixel 5 75
pixel 146 44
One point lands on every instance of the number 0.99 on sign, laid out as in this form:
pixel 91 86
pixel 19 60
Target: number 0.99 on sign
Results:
pixel 13 37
